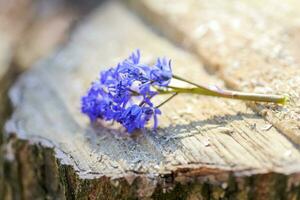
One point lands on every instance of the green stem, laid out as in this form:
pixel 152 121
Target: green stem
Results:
pixel 168 99
pixel 228 94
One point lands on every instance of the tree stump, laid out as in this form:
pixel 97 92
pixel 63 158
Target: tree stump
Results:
pixel 205 148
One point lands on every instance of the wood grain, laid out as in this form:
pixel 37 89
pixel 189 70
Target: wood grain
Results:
pixel 251 45
pixel 201 142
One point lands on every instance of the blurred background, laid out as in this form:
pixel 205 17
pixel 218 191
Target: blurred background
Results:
pixel 30 29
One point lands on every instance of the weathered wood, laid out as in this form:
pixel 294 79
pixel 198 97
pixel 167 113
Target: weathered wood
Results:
pixel 204 147
pixel 251 45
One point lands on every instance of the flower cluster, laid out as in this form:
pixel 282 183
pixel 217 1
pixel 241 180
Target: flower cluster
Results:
pixel 123 93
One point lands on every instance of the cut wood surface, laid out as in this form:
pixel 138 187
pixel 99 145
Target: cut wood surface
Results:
pixel 204 147
pixel 251 45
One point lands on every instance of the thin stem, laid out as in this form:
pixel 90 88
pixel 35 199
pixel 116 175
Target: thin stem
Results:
pixel 228 94
pixel 187 81
pixel 217 92
pixel 143 102
pixel 168 99
pixel 133 92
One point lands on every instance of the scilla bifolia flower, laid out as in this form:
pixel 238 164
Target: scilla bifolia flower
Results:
pixel 124 93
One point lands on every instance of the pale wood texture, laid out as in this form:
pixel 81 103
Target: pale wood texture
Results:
pixel 204 147
pixel 251 45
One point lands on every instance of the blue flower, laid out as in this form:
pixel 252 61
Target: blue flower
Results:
pixel 135 57
pixel 161 73
pixel 112 96
pixel 136 117
pixel 98 104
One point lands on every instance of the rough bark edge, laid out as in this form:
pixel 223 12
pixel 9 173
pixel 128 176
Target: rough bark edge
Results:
pixel 5 109
pixel 32 171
